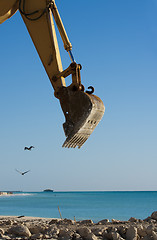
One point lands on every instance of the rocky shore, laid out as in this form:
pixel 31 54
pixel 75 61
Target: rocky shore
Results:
pixel 65 229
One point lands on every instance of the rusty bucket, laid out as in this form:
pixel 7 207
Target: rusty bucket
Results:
pixel 82 112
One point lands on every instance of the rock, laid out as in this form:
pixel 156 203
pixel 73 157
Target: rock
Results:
pixel 2 231
pixel 20 230
pixel 116 236
pixel 122 231
pixel 154 234
pixel 86 222
pixel 140 220
pixel 132 219
pixel 141 231
pixel 1 235
pixel 46 236
pixel 35 229
pixel 67 221
pixel 147 238
pixel 65 234
pixel 9 222
pixel 83 231
pixel 96 231
pixel 77 236
pixel 147 219
pixel 37 236
pixel 53 231
pixel 152 221
pixel 54 221
pixel 107 234
pixel 53 238
pixel 149 229
pixel 116 221
pixel 1 223
pixel 104 221
pixel 154 215
pixel 86 233
pixel 131 233
pixel 5 237
pixel 15 222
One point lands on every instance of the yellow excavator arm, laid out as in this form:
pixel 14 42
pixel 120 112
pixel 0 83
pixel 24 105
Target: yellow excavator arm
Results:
pixel 82 110
pixel 7 9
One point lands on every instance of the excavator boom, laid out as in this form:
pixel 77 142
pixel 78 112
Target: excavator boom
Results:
pixel 82 110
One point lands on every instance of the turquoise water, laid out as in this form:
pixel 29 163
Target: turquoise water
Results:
pixel 82 205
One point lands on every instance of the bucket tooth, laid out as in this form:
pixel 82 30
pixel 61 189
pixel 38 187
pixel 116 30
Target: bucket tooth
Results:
pixel 76 141
pixel 72 141
pixel 79 138
pixel 82 142
pixel 74 144
pixel 70 145
pixel 64 144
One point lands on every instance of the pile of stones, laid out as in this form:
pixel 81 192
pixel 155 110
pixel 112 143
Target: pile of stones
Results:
pixel 67 229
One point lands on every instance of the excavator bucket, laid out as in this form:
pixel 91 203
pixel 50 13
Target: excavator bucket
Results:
pixel 82 112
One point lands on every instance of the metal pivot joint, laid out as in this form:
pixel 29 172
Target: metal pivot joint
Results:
pixel 74 70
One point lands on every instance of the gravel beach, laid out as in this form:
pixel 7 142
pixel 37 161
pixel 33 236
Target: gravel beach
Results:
pixel 21 227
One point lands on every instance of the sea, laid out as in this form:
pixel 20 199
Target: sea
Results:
pixel 120 205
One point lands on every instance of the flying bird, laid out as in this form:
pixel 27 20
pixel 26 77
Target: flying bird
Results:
pixel 22 173
pixel 28 148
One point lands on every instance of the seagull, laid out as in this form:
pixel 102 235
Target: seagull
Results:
pixel 22 173
pixel 28 148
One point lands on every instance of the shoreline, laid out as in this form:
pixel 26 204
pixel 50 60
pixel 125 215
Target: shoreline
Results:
pixel 26 227
pixel 12 194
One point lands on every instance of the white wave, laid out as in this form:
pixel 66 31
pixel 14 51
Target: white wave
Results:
pixel 16 194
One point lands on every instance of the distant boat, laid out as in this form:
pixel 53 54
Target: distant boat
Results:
pixel 48 190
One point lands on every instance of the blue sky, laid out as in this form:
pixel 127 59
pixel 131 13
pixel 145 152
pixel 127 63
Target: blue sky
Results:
pixel 116 43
